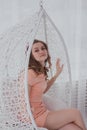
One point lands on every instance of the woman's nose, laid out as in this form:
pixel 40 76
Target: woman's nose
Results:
pixel 41 51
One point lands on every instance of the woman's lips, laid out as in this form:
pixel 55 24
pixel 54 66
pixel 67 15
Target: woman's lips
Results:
pixel 42 55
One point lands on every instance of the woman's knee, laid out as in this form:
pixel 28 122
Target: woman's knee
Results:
pixel 76 112
pixel 78 115
pixel 70 126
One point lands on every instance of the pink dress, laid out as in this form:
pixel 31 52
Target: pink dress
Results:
pixel 38 85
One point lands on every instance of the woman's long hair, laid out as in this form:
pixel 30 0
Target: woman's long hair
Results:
pixel 35 65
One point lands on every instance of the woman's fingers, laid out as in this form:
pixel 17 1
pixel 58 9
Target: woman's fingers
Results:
pixel 59 67
pixel 58 64
pixel 62 66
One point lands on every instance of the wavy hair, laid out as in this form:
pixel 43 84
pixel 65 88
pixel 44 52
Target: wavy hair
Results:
pixel 35 65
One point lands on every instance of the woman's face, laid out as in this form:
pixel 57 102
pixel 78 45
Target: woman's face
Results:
pixel 39 52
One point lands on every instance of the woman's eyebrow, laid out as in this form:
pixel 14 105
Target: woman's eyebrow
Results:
pixel 36 48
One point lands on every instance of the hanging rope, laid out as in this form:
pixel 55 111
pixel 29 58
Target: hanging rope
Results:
pixel 41 3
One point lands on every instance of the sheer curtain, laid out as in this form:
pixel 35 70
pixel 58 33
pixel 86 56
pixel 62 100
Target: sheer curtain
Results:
pixel 78 55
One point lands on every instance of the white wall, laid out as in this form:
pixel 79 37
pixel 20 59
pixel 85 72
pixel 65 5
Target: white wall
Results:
pixel 70 16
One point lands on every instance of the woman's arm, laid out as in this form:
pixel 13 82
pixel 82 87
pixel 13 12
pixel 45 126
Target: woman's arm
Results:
pixel 59 69
pixel 31 76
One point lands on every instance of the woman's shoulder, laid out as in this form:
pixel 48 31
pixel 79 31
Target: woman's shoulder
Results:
pixel 32 72
pixel 33 78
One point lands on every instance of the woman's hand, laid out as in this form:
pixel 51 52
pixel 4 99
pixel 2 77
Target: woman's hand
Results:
pixel 59 68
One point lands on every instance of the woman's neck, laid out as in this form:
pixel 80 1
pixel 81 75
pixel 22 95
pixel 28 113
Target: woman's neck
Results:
pixel 42 64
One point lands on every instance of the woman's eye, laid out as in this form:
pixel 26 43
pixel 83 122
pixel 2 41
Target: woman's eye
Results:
pixel 43 48
pixel 36 50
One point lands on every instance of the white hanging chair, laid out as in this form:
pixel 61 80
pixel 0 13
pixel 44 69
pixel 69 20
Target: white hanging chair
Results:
pixel 15 47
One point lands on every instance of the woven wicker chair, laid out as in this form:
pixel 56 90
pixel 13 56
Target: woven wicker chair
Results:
pixel 15 48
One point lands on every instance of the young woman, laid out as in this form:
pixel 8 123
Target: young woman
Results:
pixel 66 119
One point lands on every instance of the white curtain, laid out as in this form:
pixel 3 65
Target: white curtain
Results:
pixel 70 17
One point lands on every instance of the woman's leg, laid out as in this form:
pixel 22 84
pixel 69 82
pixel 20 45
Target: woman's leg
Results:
pixel 70 126
pixel 60 118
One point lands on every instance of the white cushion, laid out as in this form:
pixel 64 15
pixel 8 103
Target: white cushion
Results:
pixel 54 104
